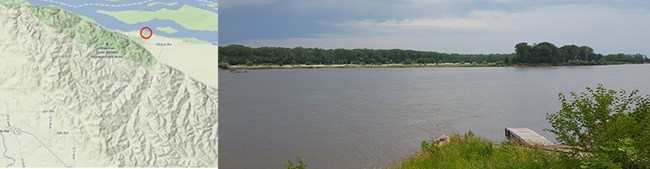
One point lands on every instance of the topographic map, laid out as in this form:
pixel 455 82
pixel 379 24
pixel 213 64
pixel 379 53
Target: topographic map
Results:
pixel 108 83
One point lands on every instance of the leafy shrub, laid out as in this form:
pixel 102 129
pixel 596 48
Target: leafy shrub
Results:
pixel 224 65
pixel 300 164
pixel 611 127
pixel 430 148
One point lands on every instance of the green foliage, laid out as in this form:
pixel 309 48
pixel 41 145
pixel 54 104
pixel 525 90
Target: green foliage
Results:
pixel 224 65
pixel 240 55
pixel 469 151
pixel 541 53
pixel 547 53
pixel 612 126
pixel 408 61
pixel 598 162
pixel 430 148
pixel 626 58
pixel 300 164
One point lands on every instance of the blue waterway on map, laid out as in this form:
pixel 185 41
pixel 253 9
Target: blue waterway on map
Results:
pixel 4 142
pixel 114 24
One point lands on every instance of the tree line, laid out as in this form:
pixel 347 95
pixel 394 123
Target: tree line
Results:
pixel 540 53
pixel 243 55
pixel 548 53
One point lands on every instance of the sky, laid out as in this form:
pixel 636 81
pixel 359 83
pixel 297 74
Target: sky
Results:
pixel 453 26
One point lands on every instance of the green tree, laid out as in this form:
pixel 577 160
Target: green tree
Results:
pixel 572 52
pixel 545 52
pixel 586 52
pixel 300 164
pixel 613 126
pixel 523 52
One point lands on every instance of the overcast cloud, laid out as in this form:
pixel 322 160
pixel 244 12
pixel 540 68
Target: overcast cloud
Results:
pixel 493 26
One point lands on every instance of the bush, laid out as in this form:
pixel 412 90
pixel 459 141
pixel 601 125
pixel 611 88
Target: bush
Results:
pixel 300 164
pixel 611 127
pixel 224 65
pixel 430 148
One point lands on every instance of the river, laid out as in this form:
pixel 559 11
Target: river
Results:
pixel 90 8
pixel 373 117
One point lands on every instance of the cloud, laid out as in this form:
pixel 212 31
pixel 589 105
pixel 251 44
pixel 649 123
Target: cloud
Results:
pixel 477 20
pixel 243 3
pixel 457 44
pixel 607 29
pixel 445 23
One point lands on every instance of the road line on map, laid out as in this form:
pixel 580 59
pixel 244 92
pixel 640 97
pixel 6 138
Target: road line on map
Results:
pixel 48 149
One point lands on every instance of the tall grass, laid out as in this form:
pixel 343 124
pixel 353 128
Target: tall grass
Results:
pixel 468 151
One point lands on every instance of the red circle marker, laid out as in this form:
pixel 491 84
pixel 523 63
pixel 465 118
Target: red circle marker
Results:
pixel 150 33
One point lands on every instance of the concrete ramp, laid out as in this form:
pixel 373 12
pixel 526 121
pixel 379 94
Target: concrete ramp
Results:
pixel 527 136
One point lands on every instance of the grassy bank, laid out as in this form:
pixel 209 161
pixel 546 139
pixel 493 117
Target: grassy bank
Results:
pixel 468 151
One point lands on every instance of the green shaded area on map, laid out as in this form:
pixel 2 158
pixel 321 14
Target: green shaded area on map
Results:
pixel 91 34
pixel 162 3
pixel 167 29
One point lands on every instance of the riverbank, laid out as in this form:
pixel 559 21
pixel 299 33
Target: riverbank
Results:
pixel 469 151
pixel 399 65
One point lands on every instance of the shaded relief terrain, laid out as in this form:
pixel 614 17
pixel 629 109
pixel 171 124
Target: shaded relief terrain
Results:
pixel 73 94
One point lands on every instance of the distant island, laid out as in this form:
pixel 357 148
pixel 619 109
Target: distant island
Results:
pixel 540 54
pixel 547 53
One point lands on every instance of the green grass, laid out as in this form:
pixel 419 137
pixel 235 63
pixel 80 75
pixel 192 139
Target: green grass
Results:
pixel 469 152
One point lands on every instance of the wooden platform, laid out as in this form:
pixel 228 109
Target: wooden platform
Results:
pixel 527 136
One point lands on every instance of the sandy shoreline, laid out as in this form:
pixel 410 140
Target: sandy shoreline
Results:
pixel 322 66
